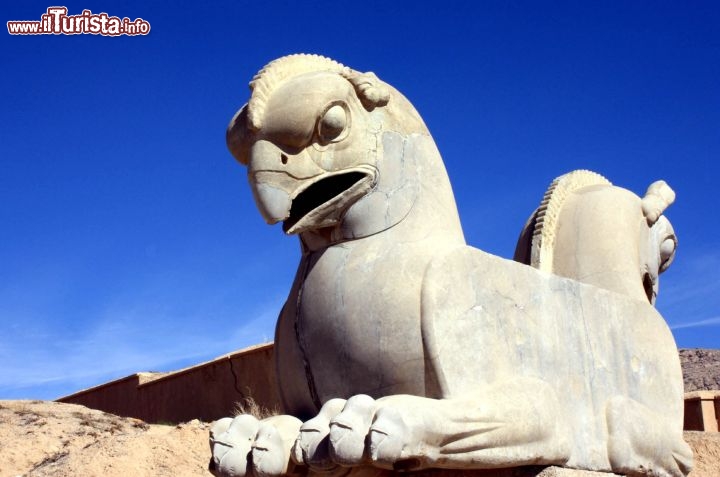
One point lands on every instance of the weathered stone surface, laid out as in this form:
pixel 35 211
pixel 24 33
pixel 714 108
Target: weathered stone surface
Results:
pixel 413 350
pixel 591 231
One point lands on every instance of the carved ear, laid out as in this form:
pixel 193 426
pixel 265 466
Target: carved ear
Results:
pixel 238 135
pixel 658 197
pixel 371 91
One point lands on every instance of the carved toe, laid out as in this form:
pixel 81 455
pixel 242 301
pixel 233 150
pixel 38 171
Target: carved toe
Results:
pixel 349 429
pixel 311 446
pixel 231 442
pixel 387 437
pixel 268 455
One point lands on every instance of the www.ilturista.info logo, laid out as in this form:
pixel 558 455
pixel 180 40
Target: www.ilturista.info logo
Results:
pixel 57 22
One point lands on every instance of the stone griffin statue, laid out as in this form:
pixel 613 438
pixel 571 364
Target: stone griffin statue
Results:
pixel 400 347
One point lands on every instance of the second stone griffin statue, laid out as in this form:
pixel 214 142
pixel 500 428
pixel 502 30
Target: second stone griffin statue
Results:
pixel 401 347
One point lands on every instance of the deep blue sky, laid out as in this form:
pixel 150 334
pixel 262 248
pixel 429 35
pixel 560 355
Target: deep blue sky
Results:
pixel 130 241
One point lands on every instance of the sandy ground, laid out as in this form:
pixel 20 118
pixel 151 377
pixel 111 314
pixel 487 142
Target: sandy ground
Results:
pixel 706 447
pixel 44 438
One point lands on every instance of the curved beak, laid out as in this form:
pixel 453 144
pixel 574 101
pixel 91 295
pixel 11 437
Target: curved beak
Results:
pixel 313 203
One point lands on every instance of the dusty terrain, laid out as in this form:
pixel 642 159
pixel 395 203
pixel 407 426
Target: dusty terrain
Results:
pixel 706 447
pixel 41 438
pixel 45 438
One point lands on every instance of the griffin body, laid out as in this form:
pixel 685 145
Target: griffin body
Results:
pixel 413 350
pixel 363 186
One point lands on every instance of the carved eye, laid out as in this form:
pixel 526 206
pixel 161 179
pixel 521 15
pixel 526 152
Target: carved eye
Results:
pixel 333 124
pixel 667 253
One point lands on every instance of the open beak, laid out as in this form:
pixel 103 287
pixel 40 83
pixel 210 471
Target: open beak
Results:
pixel 323 202
pixel 317 202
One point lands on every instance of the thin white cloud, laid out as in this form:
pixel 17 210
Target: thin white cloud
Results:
pixel 122 344
pixel 695 324
pixel 689 297
pixel 693 278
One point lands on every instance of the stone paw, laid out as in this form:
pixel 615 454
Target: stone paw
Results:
pixel 642 443
pixel 247 446
pixel 358 432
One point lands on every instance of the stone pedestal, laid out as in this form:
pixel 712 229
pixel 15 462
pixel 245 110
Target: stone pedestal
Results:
pixel 702 411
pixel 526 471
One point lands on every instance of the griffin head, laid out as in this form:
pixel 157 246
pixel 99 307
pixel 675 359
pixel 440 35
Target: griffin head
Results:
pixel 312 136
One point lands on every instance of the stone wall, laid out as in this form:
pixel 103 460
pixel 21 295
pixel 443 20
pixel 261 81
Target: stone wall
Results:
pixel 206 391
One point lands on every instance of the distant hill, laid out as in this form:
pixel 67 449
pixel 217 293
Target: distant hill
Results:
pixel 701 369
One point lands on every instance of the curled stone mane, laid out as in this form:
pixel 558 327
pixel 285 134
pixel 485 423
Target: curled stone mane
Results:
pixel 369 88
pixel 546 223
pixel 279 71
